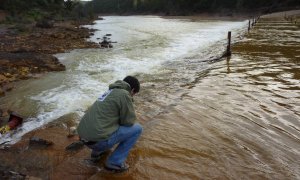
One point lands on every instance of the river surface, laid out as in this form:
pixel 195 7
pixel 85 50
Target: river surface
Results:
pixel 237 118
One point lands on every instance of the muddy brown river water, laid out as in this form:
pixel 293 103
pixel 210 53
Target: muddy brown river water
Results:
pixel 240 120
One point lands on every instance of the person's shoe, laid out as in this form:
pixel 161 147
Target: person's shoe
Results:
pixel 96 156
pixel 116 168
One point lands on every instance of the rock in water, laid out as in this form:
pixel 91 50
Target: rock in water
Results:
pixel 75 146
pixel 36 141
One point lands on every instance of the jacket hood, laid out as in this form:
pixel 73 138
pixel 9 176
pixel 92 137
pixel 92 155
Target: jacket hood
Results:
pixel 120 85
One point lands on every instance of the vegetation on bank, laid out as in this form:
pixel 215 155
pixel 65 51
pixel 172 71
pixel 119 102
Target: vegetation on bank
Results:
pixel 21 11
pixel 188 7
pixel 29 11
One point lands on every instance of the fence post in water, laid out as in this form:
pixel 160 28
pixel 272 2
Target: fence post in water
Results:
pixel 249 26
pixel 284 15
pixel 228 51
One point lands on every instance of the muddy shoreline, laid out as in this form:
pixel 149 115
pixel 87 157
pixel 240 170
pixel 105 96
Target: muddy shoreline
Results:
pixel 27 50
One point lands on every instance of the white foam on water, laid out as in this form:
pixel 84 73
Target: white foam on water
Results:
pixel 89 72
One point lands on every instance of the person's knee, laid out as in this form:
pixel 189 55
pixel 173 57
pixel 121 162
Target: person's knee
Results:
pixel 138 128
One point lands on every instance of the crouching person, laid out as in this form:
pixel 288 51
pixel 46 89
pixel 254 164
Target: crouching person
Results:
pixel 111 120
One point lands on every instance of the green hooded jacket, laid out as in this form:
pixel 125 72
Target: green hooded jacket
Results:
pixel 109 111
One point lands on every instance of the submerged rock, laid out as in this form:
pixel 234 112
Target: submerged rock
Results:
pixel 77 145
pixel 36 141
pixel 106 43
pixel 8 87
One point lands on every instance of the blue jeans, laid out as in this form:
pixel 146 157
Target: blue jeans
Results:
pixel 125 137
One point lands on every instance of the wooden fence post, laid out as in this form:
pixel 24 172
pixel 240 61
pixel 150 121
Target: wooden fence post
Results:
pixel 228 51
pixel 249 26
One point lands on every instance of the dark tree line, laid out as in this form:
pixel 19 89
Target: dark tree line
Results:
pixel 185 7
pixel 33 10
pixel 19 6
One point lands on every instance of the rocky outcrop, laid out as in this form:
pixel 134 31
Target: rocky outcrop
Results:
pixel 60 38
pixel 27 62
pixel 23 65
pixel 22 55
pixel 45 23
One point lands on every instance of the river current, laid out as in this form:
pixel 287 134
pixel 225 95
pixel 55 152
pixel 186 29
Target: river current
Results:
pixel 236 118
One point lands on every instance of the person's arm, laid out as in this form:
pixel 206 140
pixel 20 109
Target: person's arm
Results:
pixel 127 113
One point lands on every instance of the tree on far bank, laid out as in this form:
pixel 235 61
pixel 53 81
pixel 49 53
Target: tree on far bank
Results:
pixel 177 7
pixel 27 11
